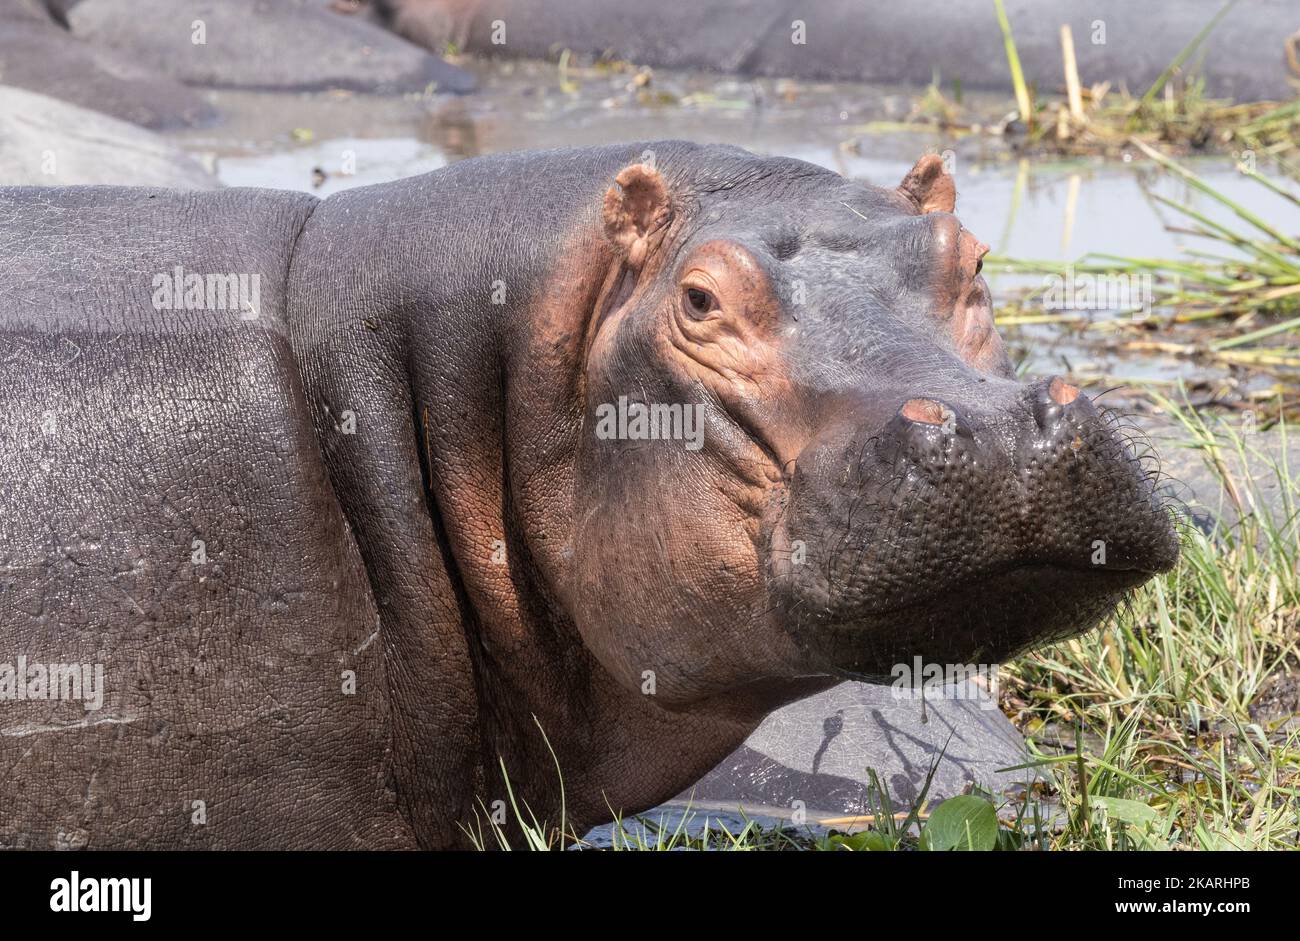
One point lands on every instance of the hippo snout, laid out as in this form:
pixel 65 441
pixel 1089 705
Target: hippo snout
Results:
pixel 967 526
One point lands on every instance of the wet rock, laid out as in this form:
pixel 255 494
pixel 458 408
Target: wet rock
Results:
pixel 818 751
pixel 283 44
pixel 1277 704
pixel 1193 484
pixel 38 54
pixel 47 142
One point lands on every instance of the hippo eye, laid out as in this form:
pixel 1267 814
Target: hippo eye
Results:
pixel 700 302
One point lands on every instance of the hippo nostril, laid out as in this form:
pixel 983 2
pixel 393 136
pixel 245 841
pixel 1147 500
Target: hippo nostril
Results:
pixel 1061 392
pixel 1050 400
pixel 926 411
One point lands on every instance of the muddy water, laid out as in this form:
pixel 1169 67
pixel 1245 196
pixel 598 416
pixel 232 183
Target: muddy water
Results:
pixel 1048 211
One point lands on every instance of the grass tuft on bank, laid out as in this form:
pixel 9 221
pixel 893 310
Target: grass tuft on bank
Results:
pixel 1230 300
pixel 1175 726
pixel 1101 117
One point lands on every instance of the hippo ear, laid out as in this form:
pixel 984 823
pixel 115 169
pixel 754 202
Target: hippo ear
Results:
pixel 636 207
pixel 929 186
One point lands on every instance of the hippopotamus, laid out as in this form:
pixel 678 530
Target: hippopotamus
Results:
pixel 850 40
pixel 45 141
pixel 38 53
pixel 541 478
pixel 142 60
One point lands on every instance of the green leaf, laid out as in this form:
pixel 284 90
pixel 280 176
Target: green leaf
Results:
pixel 1131 812
pixel 1009 841
pixel 965 822
pixel 861 842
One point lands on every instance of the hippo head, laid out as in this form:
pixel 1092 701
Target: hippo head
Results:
pixel 806 454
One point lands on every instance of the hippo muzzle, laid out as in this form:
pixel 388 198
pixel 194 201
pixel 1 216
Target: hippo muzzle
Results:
pixel 966 530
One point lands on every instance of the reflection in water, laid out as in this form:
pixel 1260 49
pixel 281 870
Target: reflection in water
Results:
pixel 455 130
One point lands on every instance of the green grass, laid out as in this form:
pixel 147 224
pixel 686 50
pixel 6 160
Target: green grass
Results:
pixel 1162 697
pixel 1174 113
pixel 1024 106
pixel 1233 303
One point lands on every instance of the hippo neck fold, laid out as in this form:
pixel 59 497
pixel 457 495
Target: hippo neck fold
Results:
pixel 442 357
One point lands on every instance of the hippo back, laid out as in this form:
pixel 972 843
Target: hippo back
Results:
pixel 170 534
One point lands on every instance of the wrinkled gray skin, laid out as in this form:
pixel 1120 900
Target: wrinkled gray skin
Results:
pixel 40 55
pixel 879 40
pixel 389 473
